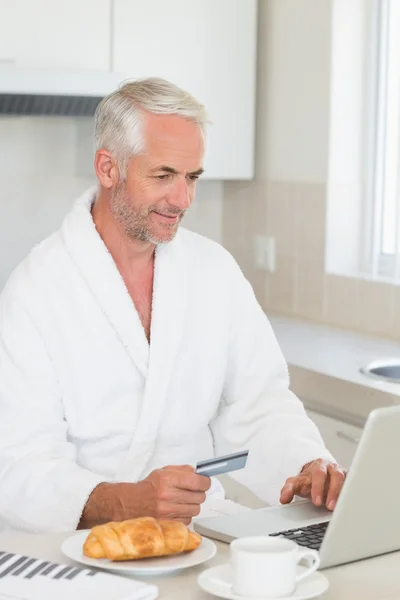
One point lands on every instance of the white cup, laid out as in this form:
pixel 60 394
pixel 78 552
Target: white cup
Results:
pixel 264 566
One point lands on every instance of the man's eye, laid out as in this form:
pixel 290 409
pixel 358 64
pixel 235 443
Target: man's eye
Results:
pixel 161 177
pixel 193 177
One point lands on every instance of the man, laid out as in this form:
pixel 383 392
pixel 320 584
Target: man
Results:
pixel 127 345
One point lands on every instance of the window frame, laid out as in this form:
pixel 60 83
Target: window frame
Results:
pixel 374 260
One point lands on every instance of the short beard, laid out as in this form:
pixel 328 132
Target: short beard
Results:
pixel 135 221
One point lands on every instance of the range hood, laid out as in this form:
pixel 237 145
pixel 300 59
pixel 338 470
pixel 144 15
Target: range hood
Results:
pixel 51 92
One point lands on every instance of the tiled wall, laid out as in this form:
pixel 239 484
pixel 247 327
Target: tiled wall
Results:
pixel 244 215
pixel 39 183
pixel 288 198
pixel 295 213
pixel 296 218
pixel 45 165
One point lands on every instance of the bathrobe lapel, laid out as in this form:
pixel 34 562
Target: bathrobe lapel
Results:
pixel 155 362
pixel 167 328
pixel 98 270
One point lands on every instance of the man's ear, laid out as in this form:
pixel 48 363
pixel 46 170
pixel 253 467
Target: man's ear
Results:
pixel 106 168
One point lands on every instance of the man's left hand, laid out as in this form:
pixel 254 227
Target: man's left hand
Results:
pixel 319 480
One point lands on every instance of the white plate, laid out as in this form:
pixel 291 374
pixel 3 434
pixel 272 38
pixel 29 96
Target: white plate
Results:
pixel 217 581
pixel 73 548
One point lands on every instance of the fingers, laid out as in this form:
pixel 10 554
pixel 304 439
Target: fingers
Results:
pixel 318 481
pixel 172 511
pixel 178 496
pixel 177 487
pixel 187 468
pixel 337 477
pixel 321 481
pixel 191 481
pixel 295 486
pixel 287 492
pixel 185 478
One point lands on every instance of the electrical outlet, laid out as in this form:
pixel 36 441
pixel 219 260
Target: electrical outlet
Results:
pixel 265 253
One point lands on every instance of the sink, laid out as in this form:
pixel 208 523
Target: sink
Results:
pixel 385 370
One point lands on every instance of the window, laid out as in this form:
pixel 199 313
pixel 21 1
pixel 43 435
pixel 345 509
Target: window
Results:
pixel 383 232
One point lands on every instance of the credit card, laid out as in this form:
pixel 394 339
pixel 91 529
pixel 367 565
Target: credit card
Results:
pixel 222 464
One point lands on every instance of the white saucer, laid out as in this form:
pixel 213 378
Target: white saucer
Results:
pixel 217 581
pixel 73 548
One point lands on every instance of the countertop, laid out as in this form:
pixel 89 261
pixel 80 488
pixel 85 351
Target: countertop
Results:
pixel 374 579
pixel 324 365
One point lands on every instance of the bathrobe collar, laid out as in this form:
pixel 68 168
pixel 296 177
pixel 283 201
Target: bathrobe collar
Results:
pixel 99 271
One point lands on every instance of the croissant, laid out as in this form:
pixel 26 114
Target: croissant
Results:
pixel 144 537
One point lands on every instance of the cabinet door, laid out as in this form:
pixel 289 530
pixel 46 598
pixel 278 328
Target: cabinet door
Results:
pixel 71 34
pixel 207 47
pixel 7 36
pixel 340 438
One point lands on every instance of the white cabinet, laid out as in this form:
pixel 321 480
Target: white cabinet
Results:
pixel 56 33
pixel 340 438
pixel 7 35
pixel 207 47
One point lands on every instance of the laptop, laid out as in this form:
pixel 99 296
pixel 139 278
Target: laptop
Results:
pixel 366 520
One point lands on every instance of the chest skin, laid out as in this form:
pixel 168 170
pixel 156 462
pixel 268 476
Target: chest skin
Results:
pixel 140 289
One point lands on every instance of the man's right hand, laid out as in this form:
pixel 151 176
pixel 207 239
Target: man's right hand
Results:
pixel 173 493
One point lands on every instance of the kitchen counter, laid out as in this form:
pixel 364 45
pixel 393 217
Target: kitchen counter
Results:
pixel 374 579
pixel 324 365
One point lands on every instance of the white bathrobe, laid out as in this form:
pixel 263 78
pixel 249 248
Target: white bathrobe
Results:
pixel 85 399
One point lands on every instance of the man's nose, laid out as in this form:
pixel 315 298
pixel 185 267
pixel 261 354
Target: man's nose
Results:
pixel 180 195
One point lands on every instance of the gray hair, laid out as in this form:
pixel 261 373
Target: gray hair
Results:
pixel 118 118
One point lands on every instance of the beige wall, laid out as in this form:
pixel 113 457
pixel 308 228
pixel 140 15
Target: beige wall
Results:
pixel 288 198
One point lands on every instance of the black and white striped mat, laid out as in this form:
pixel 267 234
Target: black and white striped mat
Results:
pixel 25 578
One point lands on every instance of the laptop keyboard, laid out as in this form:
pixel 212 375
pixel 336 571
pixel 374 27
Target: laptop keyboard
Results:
pixel 310 536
